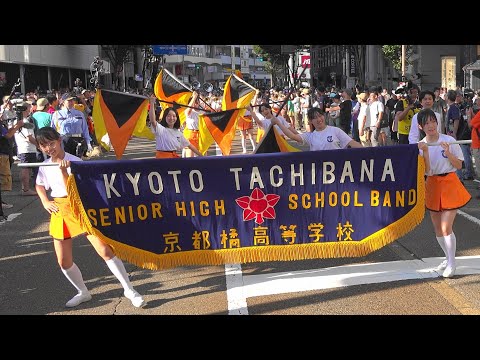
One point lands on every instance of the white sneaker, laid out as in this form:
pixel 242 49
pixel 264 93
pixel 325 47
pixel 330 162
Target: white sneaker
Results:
pixel 6 206
pixel 442 266
pixel 135 298
pixel 449 272
pixel 78 299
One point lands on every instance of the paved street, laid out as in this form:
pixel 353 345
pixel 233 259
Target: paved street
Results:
pixel 398 279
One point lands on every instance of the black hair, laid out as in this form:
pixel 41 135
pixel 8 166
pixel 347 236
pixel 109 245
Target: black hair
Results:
pixel 46 134
pixel 313 112
pixel 163 122
pixel 265 105
pixel 424 115
pixel 51 98
pixel 426 92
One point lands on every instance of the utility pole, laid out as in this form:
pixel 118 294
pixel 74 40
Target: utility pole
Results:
pixel 403 61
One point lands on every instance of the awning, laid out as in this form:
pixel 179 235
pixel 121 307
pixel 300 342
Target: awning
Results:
pixel 472 66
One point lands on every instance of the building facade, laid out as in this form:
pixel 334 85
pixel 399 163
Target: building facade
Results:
pixel 44 66
pixel 429 66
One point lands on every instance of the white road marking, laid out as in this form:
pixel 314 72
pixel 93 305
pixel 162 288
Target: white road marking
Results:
pixel 245 286
pixel 469 217
pixel 15 257
pixel 237 301
pixel 240 287
pixel 13 216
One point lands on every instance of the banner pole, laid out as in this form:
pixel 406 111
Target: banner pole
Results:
pixel 460 142
pixel 38 164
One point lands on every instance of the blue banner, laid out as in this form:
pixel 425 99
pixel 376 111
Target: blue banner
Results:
pixel 161 213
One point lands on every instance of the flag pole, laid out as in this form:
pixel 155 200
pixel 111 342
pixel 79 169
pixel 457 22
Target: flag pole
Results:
pixel 240 79
pixel 189 89
pixel 295 81
pixel 177 80
pixel 125 93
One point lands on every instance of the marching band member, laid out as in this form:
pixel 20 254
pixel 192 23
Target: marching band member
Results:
pixel 64 227
pixel 167 132
pixel 444 193
pixel 324 137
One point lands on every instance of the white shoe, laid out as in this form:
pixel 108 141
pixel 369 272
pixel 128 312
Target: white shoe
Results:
pixel 78 299
pixel 442 266
pixel 449 272
pixel 135 298
pixel 244 151
pixel 6 206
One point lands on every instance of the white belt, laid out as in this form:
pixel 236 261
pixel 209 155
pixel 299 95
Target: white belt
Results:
pixel 73 135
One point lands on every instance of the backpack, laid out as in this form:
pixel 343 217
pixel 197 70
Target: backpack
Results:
pixel 463 132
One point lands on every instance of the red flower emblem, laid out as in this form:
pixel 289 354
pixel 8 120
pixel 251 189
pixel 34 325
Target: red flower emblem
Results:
pixel 258 206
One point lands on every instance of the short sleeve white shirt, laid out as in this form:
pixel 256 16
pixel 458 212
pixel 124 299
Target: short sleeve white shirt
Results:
pixel 439 163
pixel 330 138
pixel 51 177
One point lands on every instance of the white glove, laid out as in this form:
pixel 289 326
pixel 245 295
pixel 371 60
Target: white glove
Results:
pixel 89 147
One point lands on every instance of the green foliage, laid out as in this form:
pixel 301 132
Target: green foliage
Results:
pixel 394 54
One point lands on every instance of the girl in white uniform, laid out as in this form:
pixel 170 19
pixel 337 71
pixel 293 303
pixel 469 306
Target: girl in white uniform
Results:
pixel 324 137
pixel 64 226
pixel 444 193
pixel 169 139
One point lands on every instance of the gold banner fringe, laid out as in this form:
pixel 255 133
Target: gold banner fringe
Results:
pixel 152 261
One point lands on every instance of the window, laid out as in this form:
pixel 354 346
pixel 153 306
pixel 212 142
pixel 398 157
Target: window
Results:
pixel 449 75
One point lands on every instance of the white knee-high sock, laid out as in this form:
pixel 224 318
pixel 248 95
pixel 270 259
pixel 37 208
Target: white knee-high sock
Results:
pixel 118 269
pixel 244 145
pixel 253 143
pixel 74 275
pixel 451 247
pixel 441 242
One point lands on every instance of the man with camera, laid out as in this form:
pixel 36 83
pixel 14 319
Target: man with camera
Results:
pixel 72 126
pixel 405 108
pixel 7 132
pixel 26 145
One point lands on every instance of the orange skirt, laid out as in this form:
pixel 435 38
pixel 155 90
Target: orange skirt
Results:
pixel 192 136
pixel 244 123
pixel 445 193
pixel 63 225
pixel 166 154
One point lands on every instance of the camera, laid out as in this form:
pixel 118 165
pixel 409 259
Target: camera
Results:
pixel 19 106
pixel 414 102
pixel 77 89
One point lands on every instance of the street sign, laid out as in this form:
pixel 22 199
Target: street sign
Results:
pixel 169 49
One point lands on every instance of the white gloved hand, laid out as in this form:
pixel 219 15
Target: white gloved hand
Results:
pixel 89 147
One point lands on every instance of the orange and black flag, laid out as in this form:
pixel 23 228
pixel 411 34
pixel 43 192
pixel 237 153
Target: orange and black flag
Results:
pixel 237 93
pixel 168 88
pixel 121 115
pixel 273 142
pixel 221 125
